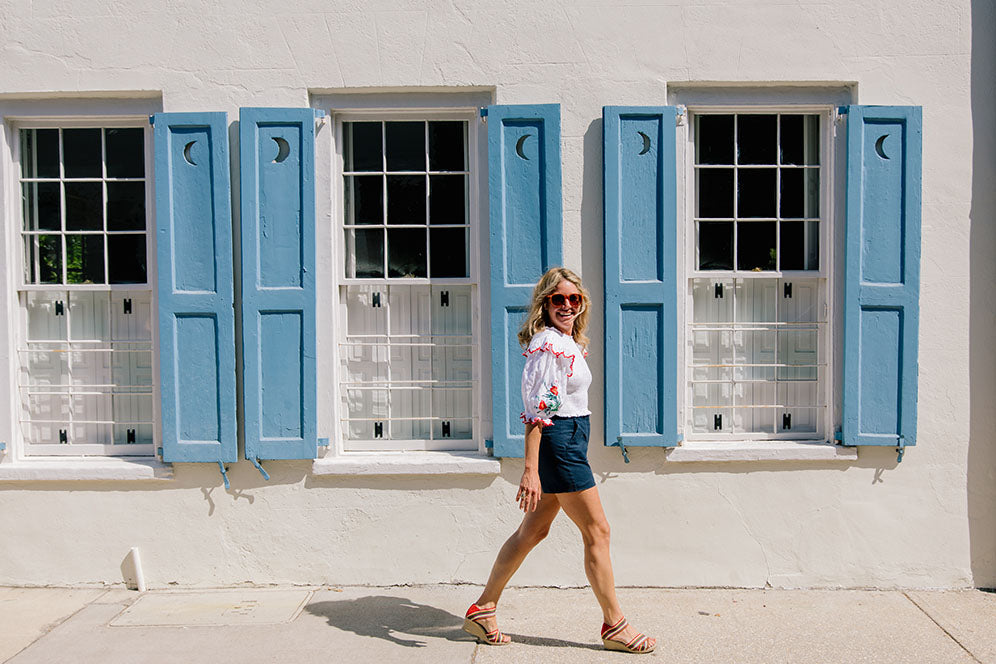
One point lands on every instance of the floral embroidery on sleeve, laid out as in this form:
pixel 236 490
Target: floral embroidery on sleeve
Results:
pixel 549 402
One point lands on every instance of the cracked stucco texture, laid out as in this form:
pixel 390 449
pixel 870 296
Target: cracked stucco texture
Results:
pixel 927 522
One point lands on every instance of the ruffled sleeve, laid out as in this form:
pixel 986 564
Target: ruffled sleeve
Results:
pixel 544 378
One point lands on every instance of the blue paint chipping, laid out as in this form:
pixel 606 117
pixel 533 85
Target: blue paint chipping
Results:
pixel 882 276
pixel 278 282
pixel 526 233
pixel 641 289
pixel 195 282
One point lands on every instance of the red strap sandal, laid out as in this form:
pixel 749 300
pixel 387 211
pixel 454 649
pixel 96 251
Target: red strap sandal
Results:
pixel 640 644
pixel 471 625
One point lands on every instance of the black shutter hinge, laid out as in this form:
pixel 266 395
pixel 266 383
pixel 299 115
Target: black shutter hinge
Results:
pixel 130 436
pixel 60 308
pixel 446 429
pixel 788 290
pixel 717 422
pixel 62 437
pixel 376 300
pixel 378 429
pixel 718 290
pixel 127 305
pixel 444 298
pixel 787 420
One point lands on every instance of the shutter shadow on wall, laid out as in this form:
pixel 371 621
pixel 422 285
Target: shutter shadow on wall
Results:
pixel 194 255
pixel 641 294
pixel 278 282
pixel 882 275
pixel 526 237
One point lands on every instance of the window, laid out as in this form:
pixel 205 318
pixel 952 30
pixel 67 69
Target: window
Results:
pixel 408 297
pixel 84 343
pixel 757 336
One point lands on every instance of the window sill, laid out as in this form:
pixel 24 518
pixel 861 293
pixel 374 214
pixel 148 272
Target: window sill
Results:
pixel 407 463
pixel 37 470
pixel 775 450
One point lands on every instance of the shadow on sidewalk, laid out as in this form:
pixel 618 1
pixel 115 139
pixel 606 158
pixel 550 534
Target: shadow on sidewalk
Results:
pixel 385 617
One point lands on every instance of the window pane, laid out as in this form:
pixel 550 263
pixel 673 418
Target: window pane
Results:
pixel 125 153
pixel 715 194
pixel 757 139
pixel 800 193
pixel 47 320
pixel 714 139
pixel 367 253
pixel 800 139
pixel 84 206
pixel 449 252
pixel 81 153
pixel 362 146
pixel 800 245
pixel 406 199
pixel 40 153
pixel 85 259
pixel 446 146
pixel 88 317
pixel 43 253
pixel 447 199
pixel 756 192
pixel 364 199
pixel 125 206
pixel 756 245
pixel 42 206
pixel 406 253
pixel 715 245
pixel 405 146
pixel 126 259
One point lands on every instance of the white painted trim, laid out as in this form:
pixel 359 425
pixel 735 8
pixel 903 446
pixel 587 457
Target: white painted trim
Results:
pixel 757 450
pixel 407 463
pixel 86 469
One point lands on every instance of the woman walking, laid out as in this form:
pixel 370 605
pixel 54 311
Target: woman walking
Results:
pixel 557 475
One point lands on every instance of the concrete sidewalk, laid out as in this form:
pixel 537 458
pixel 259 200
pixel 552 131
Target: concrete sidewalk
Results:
pixel 422 624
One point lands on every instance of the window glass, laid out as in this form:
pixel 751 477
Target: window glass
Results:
pixel 407 352
pixel 756 367
pixel 85 357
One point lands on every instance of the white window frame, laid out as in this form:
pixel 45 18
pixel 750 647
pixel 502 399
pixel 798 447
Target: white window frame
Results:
pixel 830 338
pixel 93 114
pixel 477 220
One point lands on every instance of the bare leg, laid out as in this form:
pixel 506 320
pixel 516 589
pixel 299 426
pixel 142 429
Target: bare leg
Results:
pixel 534 527
pixel 585 509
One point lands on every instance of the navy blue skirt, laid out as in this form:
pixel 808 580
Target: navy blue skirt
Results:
pixel 563 456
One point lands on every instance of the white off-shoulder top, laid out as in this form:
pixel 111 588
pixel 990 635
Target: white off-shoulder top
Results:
pixel 555 379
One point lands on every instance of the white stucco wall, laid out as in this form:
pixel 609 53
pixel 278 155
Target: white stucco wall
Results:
pixel 927 522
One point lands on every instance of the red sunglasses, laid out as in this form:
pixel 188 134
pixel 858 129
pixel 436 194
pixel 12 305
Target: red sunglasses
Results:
pixel 558 299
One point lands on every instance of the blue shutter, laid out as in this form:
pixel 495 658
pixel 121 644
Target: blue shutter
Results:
pixel 641 292
pixel 882 275
pixel 278 282
pixel 526 241
pixel 194 255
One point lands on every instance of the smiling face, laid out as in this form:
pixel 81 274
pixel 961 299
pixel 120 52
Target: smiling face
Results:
pixel 562 317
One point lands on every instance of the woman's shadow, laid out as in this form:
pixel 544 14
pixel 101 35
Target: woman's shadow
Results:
pixel 384 617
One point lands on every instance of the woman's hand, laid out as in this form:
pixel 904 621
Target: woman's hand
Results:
pixel 529 493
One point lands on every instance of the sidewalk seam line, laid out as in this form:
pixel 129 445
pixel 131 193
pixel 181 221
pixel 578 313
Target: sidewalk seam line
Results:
pixel 55 625
pixel 943 629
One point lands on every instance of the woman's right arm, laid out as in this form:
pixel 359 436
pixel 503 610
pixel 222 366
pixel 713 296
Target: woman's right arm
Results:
pixel 529 486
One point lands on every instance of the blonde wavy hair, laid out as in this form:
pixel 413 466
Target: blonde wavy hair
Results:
pixel 537 319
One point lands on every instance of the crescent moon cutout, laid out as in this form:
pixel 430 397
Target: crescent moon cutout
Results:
pixel 646 143
pixel 283 149
pixel 879 147
pixel 518 146
pixel 186 153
